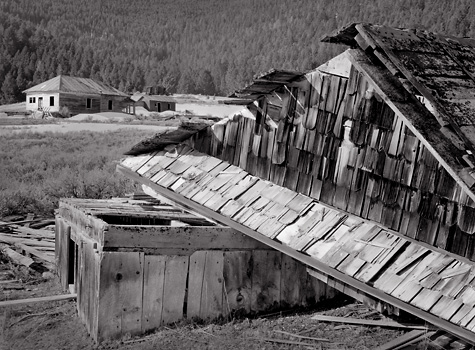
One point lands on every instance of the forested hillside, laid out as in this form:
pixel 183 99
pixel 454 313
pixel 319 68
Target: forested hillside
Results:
pixel 199 46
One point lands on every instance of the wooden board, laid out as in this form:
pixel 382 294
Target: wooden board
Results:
pixel 196 237
pixel 27 301
pixel 174 290
pixel 63 232
pixel 295 288
pixel 266 280
pixel 195 284
pixel 237 282
pixel 120 297
pixel 212 291
pixel 153 283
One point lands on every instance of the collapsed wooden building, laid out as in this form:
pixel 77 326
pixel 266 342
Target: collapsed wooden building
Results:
pixel 362 170
pixel 137 265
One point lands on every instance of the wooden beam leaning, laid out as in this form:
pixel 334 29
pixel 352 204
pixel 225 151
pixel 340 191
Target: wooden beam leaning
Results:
pixel 436 321
pixel 192 237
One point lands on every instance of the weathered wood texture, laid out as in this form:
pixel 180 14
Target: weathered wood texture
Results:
pixel 146 276
pixel 355 250
pixel 347 148
pixel 182 237
pixel 62 238
pixel 138 293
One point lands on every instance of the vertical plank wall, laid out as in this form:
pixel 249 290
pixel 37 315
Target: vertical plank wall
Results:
pixel 139 293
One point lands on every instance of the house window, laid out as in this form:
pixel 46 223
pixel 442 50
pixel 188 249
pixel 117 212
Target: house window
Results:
pixel 32 99
pixel 51 100
pixel 88 103
pixel 169 106
pixel 110 105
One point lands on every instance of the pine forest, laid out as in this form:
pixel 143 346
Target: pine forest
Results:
pixel 202 46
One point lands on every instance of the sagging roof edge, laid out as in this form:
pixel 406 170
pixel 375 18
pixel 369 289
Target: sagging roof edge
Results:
pixel 308 260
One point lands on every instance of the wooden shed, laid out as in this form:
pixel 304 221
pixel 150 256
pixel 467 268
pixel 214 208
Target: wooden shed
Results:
pixel 137 265
pixel 79 95
pixel 362 169
pixel 153 103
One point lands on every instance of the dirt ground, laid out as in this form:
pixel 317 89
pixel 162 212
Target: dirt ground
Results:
pixel 55 325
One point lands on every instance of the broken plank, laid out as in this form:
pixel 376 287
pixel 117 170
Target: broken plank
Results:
pixel 405 339
pixel 37 300
pixel 363 322
pixel 37 253
pixel 16 257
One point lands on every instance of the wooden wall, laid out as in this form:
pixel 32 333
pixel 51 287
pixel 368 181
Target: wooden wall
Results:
pixel 86 262
pixel 140 292
pixel 335 140
pixel 77 103
pixel 118 103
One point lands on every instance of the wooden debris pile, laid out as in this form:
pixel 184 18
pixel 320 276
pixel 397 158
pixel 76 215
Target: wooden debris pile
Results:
pixel 29 243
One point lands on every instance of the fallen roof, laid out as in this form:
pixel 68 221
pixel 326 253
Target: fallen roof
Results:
pixel 410 275
pixel 67 84
pixel 425 281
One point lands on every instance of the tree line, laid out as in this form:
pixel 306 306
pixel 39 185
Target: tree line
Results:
pixel 201 46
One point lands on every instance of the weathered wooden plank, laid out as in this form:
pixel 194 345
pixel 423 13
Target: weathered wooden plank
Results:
pixel 120 296
pixel 446 307
pixel 266 280
pixel 195 283
pixel 16 257
pixel 426 299
pixel 237 283
pixel 212 290
pixel 27 301
pixel 363 322
pixel 372 271
pixel 293 283
pixel 63 262
pixel 174 290
pixel 153 282
pixel 197 237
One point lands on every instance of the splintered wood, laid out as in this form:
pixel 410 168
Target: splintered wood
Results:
pixel 30 247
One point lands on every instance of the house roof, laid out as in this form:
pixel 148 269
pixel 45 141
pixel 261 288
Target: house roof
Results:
pixel 407 274
pixel 158 98
pixel 67 84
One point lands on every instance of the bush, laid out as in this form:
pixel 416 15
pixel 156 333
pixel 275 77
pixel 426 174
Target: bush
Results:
pixel 64 112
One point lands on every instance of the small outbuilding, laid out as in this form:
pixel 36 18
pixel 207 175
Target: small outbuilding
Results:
pixel 154 103
pixel 79 95
pixel 137 265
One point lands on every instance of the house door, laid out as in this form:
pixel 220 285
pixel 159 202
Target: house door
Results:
pixel 159 105
pixel 40 102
